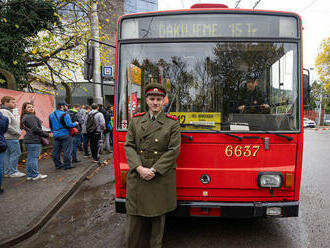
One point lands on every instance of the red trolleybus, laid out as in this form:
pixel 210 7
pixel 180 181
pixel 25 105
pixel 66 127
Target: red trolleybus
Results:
pixel 235 162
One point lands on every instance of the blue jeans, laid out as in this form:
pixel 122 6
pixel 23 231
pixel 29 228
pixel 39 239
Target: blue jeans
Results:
pixel 74 147
pixel 86 139
pixel 62 143
pixel 33 151
pixel 11 157
pixel 2 156
pixel 79 139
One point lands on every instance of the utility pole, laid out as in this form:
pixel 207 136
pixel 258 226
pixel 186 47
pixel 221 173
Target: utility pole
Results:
pixel 320 107
pixel 97 94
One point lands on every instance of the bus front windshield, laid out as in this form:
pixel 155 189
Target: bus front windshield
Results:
pixel 215 86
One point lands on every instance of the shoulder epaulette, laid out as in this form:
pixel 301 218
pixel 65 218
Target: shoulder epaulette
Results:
pixel 139 114
pixel 172 117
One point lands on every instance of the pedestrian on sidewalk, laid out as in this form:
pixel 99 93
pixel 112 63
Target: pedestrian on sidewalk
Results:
pixel 32 126
pixel 152 146
pixel 73 112
pixel 85 135
pixel 62 136
pixel 12 135
pixel 95 126
pixel 80 115
pixel 4 122
pixel 111 125
pixel 106 132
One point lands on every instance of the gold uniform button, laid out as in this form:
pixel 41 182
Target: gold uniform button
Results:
pixel 156 140
pixel 155 152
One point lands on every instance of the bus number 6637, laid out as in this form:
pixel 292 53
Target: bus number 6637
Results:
pixel 238 151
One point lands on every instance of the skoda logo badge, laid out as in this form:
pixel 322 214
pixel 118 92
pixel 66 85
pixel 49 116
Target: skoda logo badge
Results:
pixel 205 179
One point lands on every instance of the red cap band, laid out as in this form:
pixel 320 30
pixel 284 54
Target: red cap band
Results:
pixel 156 90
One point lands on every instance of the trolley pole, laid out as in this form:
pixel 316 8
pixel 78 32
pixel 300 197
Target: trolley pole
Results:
pixel 97 94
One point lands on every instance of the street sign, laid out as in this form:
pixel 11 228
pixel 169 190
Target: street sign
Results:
pixel 107 71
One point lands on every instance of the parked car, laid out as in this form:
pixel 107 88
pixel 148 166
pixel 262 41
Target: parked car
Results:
pixel 309 123
pixel 327 122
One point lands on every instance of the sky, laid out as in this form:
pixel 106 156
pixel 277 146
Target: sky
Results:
pixel 315 16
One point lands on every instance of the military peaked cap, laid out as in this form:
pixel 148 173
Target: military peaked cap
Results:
pixel 155 89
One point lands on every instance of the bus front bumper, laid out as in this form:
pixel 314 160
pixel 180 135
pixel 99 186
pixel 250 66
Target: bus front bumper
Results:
pixel 228 209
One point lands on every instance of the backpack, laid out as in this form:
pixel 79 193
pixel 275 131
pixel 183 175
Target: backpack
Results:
pixel 73 116
pixel 91 124
pixel 62 121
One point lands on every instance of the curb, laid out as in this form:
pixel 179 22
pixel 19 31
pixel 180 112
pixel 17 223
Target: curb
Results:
pixel 321 128
pixel 49 211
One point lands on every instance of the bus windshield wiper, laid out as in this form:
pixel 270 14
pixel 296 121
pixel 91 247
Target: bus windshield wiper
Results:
pixel 281 135
pixel 234 136
pixel 251 137
pixel 284 136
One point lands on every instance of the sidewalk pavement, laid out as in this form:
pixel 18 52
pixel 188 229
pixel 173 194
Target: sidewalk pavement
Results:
pixel 25 206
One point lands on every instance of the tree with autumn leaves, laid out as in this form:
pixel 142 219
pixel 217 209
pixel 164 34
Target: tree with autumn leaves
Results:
pixel 45 38
pixel 322 65
pixel 21 20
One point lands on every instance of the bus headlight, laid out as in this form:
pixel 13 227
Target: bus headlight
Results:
pixel 270 179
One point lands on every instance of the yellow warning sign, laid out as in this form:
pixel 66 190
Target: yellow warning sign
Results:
pixel 199 120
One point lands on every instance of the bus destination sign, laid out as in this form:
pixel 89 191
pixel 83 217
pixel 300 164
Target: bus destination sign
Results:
pixel 207 30
pixel 210 25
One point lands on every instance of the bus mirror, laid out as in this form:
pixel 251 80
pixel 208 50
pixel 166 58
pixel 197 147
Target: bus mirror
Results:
pixel 89 63
pixel 306 89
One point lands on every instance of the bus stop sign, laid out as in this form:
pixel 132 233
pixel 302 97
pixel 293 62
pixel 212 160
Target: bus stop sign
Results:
pixel 107 71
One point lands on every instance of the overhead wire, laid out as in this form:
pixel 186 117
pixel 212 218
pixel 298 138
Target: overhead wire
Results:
pixel 256 3
pixel 237 3
pixel 308 5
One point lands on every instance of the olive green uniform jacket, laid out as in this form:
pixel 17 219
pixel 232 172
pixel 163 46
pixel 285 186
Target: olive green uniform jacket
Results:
pixel 152 144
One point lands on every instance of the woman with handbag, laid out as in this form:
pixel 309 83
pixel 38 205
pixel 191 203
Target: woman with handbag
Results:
pixel 32 125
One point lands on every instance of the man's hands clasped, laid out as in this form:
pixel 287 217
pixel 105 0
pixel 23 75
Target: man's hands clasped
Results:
pixel 145 173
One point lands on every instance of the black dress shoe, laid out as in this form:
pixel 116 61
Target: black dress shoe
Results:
pixel 68 168
pixel 1 191
pixel 57 168
pixel 76 161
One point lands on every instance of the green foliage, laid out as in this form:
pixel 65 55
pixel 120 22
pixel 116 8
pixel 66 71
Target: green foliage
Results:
pixel 317 90
pixel 21 20
pixel 327 109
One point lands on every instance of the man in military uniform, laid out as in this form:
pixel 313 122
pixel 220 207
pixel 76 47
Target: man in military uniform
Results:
pixel 251 100
pixel 152 147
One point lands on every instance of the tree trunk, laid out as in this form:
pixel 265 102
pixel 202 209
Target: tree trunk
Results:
pixel 10 79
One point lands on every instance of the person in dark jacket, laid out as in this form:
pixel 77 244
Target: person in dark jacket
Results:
pixel 76 139
pixel 251 99
pixel 4 122
pixel 32 126
pixel 106 132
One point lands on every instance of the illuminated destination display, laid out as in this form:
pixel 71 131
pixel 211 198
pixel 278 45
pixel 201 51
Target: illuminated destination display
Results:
pixel 206 30
pixel 209 25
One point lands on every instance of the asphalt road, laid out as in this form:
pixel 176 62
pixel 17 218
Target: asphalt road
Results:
pixel 88 219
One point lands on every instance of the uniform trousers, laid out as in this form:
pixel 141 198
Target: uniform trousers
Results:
pixel 142 232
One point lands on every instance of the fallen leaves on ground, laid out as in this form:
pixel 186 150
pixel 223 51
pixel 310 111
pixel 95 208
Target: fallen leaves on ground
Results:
pixel 101 165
